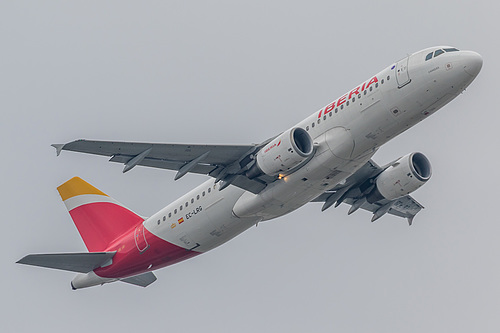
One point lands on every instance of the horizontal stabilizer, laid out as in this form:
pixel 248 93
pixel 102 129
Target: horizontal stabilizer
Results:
pixel 74 262
pixel 142 280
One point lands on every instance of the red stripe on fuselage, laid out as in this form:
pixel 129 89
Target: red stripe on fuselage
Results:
pixel 129 261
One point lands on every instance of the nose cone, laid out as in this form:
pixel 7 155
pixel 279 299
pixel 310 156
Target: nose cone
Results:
pixel 472 62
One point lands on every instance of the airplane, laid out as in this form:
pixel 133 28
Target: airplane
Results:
pixel 324 158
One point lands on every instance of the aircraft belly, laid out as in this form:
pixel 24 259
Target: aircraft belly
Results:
pixel 293 191
pixel 223 224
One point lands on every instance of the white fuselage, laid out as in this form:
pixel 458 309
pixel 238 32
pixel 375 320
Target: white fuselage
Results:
pixel 346 134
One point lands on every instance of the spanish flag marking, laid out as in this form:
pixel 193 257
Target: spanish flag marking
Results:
pixel 180 220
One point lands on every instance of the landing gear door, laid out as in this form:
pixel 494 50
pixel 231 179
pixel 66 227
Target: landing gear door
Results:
pixel 402 75
pixel 188 242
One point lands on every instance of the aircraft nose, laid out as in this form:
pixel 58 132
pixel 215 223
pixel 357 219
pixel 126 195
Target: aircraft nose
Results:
pixel 472 62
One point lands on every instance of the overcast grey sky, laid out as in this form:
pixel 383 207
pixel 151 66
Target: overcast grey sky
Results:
pixel 227 72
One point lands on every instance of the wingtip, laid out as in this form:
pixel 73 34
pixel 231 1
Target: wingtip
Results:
pixel 24 260
pixel 20 261
pixel 59 147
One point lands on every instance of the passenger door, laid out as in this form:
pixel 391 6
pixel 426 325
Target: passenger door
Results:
pixel 402 75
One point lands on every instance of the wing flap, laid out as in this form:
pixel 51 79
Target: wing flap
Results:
pixel 74 262
pixel 142 280
pixel 164 164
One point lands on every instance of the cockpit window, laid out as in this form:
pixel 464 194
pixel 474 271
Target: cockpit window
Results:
pixel 438 52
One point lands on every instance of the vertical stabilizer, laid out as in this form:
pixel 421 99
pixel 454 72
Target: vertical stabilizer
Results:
pixel 99 218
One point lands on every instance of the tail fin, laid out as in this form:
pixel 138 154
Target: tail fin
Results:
pixel 99 218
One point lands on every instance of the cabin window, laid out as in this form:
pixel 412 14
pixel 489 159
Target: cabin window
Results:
pixel 186 204
pixel 192 200
pixel 307 128
pixel 324 117
pixel 209 190
pixel 330 114
pixel 175 211
pixel 312 125
pixel 198 197
pixel 203 194
pixel 342 107
pixel 388 77
pixel 428 57
pixel 382 82
pixel 336 110
pixel 319 120
pixel 180 208
pixel 376 85
pixel 347 103
pixel 164 218
pixel 364 92
pixel 169 214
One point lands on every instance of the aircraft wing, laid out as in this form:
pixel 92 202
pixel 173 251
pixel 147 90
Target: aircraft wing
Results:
pixel 223 162
pixel 353 192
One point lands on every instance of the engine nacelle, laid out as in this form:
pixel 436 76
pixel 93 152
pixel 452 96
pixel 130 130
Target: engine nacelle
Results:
pixel 406 175
pixel 282 154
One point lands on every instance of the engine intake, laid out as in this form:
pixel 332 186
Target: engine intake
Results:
pixel 282 154
pixel 406 175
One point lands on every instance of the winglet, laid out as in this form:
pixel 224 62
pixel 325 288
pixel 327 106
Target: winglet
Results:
pixel 59 147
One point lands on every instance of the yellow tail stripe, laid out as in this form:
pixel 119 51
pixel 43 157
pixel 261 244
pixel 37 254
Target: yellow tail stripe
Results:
pixel 77 186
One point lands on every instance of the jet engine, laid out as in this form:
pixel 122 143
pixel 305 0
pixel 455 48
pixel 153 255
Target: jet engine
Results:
pixel 403 177
pixel 282 154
